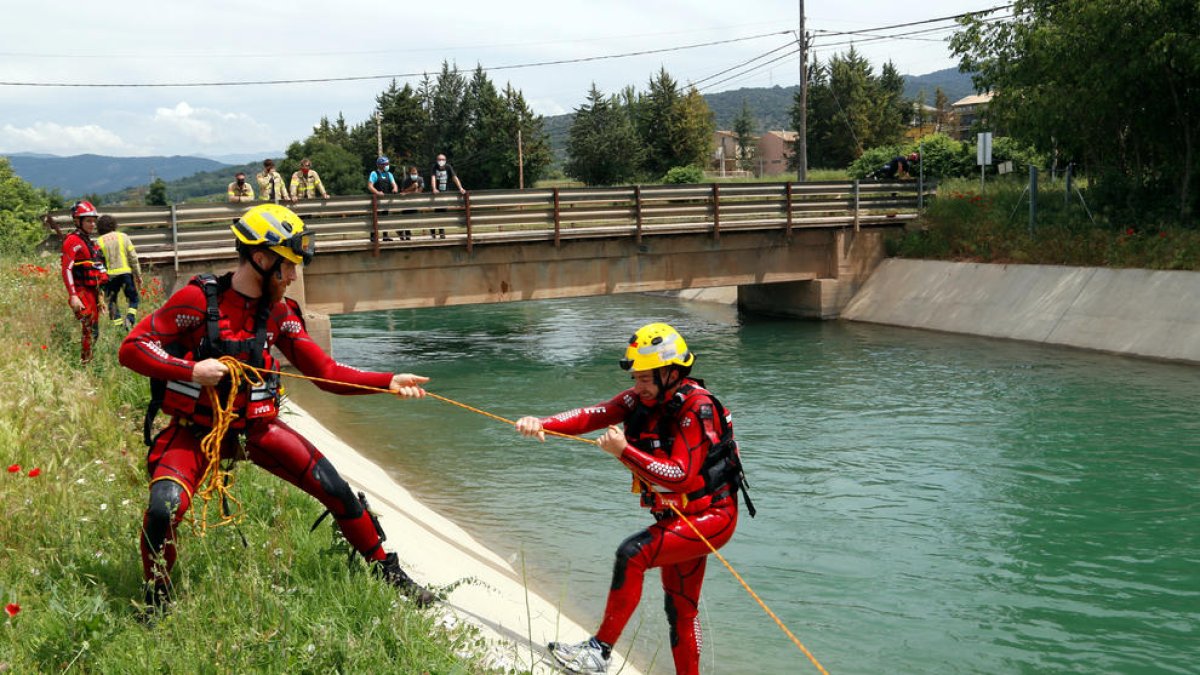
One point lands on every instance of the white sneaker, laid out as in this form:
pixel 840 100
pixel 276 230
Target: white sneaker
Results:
pixel 583 657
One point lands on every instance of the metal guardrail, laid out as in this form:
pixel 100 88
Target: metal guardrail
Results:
pixel 201 231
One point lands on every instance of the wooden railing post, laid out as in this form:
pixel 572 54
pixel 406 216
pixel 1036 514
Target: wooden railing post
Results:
pixel 467 207
pixel 716 207
pixel 788 193
pixel 556 220
pixel 374 225
pixel 856 205
pixel 637 207
pixel 175 237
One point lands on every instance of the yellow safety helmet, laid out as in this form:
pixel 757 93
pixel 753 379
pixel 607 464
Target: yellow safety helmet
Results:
pixel 277 228
pixel 656 345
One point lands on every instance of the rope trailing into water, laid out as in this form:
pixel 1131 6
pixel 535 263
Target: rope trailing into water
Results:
pixel 241 372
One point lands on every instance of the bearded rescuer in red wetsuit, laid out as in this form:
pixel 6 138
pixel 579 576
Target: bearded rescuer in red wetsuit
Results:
pixel 83 274
pixel 243 314
pixel 678 441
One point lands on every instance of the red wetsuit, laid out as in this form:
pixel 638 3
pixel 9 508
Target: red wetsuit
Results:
pixel 175 462
pixel 672 465
pixel 83 273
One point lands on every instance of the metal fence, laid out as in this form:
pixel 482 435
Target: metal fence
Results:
pixel 201 231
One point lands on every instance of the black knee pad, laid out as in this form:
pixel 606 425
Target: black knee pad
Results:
pixel 625 552
pixel 164 502
pixel 334 485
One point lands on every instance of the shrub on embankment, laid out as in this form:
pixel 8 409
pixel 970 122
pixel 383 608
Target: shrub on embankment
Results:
pixel 72 491
pixel 963 224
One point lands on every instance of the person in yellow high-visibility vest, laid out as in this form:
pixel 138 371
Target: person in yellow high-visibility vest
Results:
pixel 271 187
pixel 239 190
pixel 306 183
pixel 125 272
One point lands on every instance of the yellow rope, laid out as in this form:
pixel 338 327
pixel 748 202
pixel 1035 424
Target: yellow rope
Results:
pixel 242 369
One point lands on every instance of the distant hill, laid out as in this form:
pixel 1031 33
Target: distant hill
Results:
pixel 211 184
pixel 89 174
pixel 771 106
pixel 956 85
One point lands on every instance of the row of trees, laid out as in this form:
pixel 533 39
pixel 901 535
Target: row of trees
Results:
pixel 851 109
pixel 638 135
pixel 472 122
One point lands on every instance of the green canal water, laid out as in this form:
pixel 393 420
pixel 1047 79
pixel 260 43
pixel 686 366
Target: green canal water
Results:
pixel 927 503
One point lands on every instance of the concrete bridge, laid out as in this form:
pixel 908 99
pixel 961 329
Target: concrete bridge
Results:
pixel 799 249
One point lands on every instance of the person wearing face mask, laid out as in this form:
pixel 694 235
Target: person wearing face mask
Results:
pixel 415 184
pixel 442 175
pixel 306 183
pixel 271 187
pixel 239 190
pixel 242 315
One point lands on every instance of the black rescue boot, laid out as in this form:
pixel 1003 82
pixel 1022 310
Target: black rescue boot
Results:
pixel 389 569
pixel 156 601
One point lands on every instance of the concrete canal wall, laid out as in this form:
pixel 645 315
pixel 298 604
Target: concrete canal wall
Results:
pixel 1137 312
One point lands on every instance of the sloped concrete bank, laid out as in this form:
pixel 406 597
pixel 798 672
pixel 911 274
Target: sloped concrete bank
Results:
pixel 1136 312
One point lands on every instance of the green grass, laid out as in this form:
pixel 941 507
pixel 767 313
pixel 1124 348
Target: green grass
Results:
pixel 288 603
pixel 993 226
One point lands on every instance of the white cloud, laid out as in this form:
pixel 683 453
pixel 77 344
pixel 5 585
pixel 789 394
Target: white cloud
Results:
pixel 192 129
pixel 546 106
pixel 57 139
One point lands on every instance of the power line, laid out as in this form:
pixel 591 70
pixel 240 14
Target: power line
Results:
pixel 923 21
pixel 752 69
pixel 356 78
pixel 789 43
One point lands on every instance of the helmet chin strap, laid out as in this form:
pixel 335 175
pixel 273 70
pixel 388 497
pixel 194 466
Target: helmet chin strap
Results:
pixel 662 386
pixel 275 270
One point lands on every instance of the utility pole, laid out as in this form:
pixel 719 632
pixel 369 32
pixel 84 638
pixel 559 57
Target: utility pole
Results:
pixel 802 128
pixel 520 161
pixel 378 134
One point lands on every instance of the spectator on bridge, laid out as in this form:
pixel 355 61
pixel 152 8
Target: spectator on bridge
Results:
pixel 271 187
pixel 678 442
pixel 441 176
pixel 382 182
pixel 306 183
pixel 239 190
pixel 415 184
pixel 83 274
pixel 242 315
pixel 124 271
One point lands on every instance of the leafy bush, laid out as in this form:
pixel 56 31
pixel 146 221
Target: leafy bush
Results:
pixel 21 210
pixel 943 157
pixel 681 175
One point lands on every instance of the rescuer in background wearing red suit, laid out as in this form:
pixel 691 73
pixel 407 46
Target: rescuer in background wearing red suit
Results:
pixel 678 441
pixel 83 274
pixel 179 344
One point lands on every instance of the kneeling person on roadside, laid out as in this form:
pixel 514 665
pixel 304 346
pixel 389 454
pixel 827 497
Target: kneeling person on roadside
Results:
pixel 242 315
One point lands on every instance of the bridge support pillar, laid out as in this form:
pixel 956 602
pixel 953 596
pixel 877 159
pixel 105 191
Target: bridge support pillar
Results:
pixel 854 256
pixel 816 299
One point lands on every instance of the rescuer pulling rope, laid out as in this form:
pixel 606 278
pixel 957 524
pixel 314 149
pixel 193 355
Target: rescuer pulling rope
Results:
pixel 186 347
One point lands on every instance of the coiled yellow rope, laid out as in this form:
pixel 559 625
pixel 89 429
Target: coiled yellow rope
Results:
pixel 241 372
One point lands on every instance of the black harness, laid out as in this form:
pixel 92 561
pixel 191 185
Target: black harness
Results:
pixel 722 469
pixel 212 345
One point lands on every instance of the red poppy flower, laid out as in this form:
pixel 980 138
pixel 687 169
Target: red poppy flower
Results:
pixel 35 472
pixel 13 468
pixel 12 608
pixel 43 346
pixel 1129 232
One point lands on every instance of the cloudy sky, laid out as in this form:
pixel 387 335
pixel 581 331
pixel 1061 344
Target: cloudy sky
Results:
pixel 134 42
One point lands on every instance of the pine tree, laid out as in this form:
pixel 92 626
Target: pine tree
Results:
pixel 603 147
